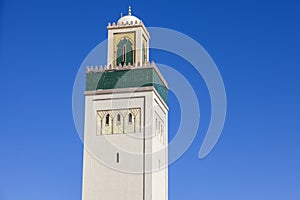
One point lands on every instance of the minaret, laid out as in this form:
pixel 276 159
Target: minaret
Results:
pixel 126 120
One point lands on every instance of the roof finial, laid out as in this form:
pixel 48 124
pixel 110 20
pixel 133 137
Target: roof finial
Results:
pixel 129 10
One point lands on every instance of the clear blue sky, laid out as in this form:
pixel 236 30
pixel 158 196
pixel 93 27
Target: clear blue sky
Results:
pixel 255 44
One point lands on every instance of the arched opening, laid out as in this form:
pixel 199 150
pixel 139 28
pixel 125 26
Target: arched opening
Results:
pixel 118 158
pixel 130 118
pixel 118 119
pixel 144 52
pixel 107 120
pixel 124 52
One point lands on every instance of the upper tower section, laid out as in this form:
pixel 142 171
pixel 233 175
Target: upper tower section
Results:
pixel 128 41
pixel 128 68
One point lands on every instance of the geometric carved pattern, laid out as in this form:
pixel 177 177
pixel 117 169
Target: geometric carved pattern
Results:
pixel 117 40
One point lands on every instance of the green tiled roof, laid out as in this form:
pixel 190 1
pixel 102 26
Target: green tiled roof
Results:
pixel 129 78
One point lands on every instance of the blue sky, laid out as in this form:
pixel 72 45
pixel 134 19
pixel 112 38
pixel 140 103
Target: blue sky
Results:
pixel 255 44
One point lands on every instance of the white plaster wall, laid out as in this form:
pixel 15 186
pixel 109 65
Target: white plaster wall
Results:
pixel 160 152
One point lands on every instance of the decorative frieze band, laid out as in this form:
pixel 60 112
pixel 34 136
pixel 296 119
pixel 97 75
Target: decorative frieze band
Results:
pixel 121 121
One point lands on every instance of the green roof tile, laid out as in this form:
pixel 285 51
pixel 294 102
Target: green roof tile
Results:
pixel 129 78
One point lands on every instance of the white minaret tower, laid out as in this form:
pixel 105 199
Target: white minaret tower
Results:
pixel 126 120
